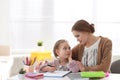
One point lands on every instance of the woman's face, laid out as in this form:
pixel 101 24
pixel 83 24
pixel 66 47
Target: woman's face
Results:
pixel 82 36
pixel 64 50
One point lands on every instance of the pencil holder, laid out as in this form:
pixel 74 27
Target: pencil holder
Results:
pixel 29 68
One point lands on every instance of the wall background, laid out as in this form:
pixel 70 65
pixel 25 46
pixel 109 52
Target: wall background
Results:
pixel 4 22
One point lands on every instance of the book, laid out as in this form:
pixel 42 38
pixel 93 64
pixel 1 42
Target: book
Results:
pixel 92 74
pixel 56 74
pixel 76 76
pixel 34 75
pixel 81 79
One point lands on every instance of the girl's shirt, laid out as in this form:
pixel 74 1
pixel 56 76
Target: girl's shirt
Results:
pixel 72 66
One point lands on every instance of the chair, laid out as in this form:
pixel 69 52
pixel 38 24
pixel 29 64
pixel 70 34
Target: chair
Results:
pixel 4 53
pixel 4 59
pixel 4 50
pixel 115 67
pixel 16 66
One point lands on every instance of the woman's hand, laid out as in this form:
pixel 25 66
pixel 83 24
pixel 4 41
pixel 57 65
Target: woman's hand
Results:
pixel 81 67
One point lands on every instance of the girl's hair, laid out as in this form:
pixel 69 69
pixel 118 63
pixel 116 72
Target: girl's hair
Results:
pixel 57 45
pixel 82 25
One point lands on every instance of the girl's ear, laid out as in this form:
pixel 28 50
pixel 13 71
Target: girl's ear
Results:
pixel 57 51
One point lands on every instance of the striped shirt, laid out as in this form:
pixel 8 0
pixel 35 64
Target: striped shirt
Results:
pixel 90 54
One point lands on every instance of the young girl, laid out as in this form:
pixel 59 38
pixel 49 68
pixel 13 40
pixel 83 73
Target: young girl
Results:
pixel 63 61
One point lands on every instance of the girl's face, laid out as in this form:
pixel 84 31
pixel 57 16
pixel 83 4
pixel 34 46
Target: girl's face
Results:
pixel 64 50
pixel 82 37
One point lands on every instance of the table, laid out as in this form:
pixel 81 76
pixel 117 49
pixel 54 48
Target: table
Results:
pixel 110 77
pixel 45 78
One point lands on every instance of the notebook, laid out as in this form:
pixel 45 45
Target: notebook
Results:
pixel 92 74
pixel 34 75
pixel 76 76
pixel 58 74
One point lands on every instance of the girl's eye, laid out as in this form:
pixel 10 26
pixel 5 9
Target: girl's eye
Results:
pixel 64 48
pixel 69 48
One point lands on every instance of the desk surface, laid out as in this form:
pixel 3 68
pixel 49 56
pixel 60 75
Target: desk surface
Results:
pixel 76 76
pixel 45 78
pixel 110 77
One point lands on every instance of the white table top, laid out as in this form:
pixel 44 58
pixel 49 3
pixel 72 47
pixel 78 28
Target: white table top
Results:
pixel 45 78
pixel 110 77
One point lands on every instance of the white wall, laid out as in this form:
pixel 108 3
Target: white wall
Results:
pixel 49 22
pixel 4 22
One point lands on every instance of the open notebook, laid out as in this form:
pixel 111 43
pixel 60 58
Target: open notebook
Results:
pixel 56 74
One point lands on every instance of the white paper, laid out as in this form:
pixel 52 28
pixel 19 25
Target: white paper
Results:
pixel 56 74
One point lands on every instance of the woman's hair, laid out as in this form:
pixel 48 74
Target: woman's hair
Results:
pixel 57 45
pixel 82 25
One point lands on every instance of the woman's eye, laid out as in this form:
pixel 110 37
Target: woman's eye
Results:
pixel 77 36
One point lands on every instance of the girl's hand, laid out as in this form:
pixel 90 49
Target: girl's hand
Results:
pixel 49 69
pixel 70 57
pixel 37 68
pixel 52 69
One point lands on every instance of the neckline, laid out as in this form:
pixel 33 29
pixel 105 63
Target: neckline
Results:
pixel 93 44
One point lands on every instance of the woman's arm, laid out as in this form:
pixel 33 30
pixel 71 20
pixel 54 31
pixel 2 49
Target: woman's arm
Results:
pixel 104 59
pixel 73 66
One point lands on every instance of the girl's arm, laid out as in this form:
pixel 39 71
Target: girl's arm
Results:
pixel 48 67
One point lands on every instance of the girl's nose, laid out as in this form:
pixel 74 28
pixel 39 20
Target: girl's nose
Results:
pixel 68 51
pixel 77 39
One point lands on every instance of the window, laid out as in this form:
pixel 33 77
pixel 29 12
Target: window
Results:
pixel 108 21
pixel 50 20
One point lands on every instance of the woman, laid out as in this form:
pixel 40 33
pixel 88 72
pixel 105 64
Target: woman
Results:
pixel 93 53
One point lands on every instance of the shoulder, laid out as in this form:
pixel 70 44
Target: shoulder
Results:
pixel 78 46
pixel 56 61
pixel 105 40
pixel 77 52
pixel 105 43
